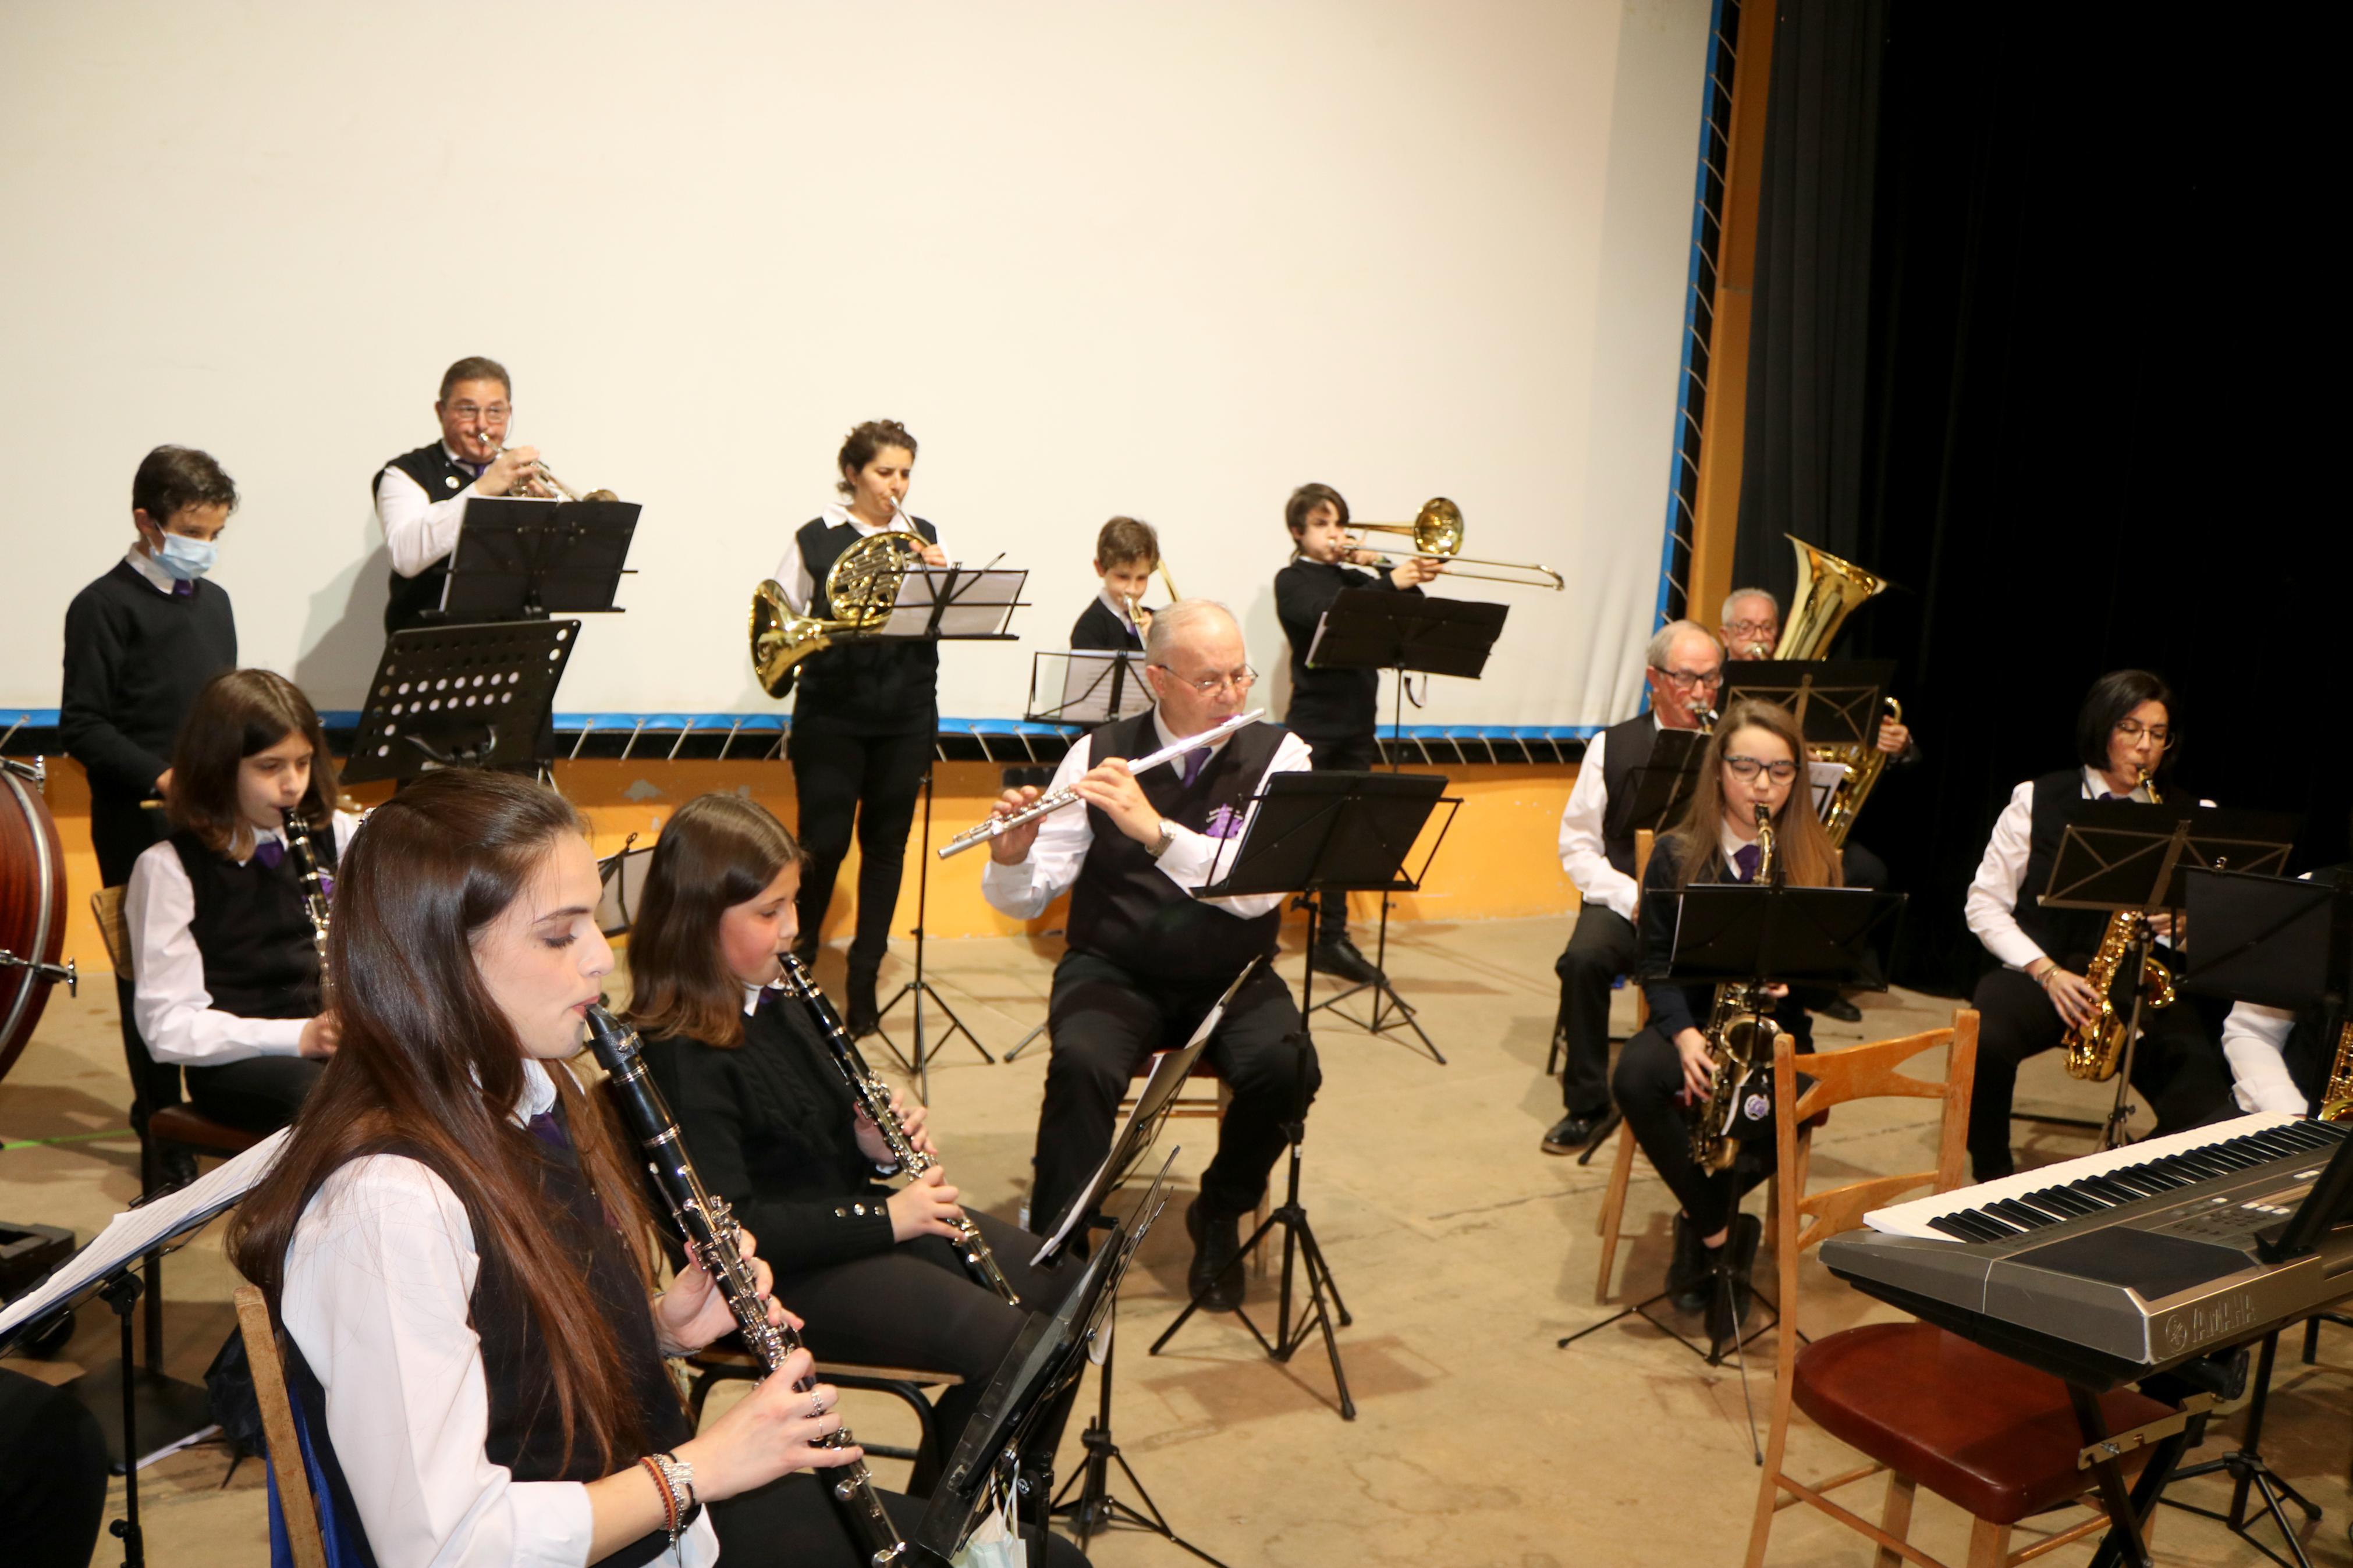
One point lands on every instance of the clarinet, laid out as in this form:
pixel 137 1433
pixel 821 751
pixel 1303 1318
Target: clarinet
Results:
pixel 315 900
pixel 874 1099
pixel 711 1229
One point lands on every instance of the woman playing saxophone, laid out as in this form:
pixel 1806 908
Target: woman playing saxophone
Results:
pixel 1751 777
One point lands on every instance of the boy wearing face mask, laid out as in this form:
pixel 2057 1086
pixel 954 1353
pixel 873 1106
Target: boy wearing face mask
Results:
pixel 140 642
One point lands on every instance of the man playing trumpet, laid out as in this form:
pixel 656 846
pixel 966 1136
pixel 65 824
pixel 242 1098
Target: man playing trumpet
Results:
pixel 1148 960
pixel 420 496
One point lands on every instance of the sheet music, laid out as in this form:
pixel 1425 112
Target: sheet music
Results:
pixel 138 1230
pixel 1087 686
pixel 980 604
pixel 1824 778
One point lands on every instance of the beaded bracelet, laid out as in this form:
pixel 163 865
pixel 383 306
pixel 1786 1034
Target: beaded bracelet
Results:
pixel 669 1498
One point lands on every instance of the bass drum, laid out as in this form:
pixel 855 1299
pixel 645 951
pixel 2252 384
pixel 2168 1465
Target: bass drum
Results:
pixel 32 906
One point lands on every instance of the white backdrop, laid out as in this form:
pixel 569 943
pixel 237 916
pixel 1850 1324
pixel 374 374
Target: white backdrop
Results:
pixel 1166 260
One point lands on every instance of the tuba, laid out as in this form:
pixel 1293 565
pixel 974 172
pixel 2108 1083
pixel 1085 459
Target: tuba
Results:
pixel 1830 590
pixel 861 589
pixel 2093 1050
pixel 1741 1033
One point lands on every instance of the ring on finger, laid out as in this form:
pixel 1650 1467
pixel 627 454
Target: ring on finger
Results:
pixel 817 1403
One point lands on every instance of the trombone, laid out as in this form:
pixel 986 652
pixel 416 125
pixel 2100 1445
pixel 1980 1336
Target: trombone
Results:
pixel 1437 531
pixel 1135 601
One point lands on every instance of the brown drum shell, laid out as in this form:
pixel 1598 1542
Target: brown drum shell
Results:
pixel 32 908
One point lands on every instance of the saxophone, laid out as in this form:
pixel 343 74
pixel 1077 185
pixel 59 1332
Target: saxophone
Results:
pixel 874 1099
pixel 2337 1099
pixel 2093 1050
pixel 1740 1033
pixel 710 1228
pixel 315 900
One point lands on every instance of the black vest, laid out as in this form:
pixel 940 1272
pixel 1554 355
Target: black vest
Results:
pixel 2069 936
pixel 1626 746
pixel 525 1434
pixel 879 688
pixel 441 479
pixel 1124 909
pixel 252 930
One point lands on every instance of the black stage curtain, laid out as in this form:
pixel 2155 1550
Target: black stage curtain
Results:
pixel 2038 317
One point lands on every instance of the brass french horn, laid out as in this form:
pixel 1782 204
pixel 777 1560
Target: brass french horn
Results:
pixel 861 589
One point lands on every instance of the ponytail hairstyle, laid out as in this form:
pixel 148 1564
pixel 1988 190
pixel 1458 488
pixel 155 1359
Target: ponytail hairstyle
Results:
pixel 717 851
pixel 238 714
pixel 430 1066
pixel 1803 850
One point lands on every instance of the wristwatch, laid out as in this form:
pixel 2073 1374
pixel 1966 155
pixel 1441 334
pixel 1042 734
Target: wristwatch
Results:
pixel 1160 845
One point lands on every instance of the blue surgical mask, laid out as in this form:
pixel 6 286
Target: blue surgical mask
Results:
pixel 185 558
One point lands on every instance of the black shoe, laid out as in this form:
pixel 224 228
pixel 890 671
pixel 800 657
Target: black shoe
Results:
pixel 1215 1277
pixel 1691 1273
pixel 1339 958
pixel 178 1169
pixel 864 1019
pixel 1571 1133
pixel 1729 1300
pixel 1839 1008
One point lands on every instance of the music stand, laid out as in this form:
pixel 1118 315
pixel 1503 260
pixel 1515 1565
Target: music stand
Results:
pixel 1096 686
pixel 935 604
pixel 104 1268
pixel 520 558
pixel 2126 855
pixel 461 696
pixel 621 880
pixel 1307 833
pixel 1381 628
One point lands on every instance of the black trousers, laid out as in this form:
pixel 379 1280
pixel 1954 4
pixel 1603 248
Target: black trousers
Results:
pixel 1104 1022
pixel 792 1523
pixel 914 1306
pixel 260 1094
pixel 1648 1084
pixel 874 780
pixel 1357 755
pixel 53 1469
pixel 2178 1066
pixel 1600 949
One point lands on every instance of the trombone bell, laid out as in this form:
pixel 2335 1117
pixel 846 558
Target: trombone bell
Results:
pixel 1437 531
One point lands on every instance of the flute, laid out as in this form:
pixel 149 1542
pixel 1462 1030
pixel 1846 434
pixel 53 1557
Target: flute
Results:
pixel 874 1097
pixel 1046 804
pixel 710 1229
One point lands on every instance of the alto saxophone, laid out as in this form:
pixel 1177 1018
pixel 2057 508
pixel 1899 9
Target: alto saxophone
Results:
pixel 874 1099
pixel 315 900
pixel 2095 1049
pixel 710 1229
pixel 1740 1033
pixel 2337 1099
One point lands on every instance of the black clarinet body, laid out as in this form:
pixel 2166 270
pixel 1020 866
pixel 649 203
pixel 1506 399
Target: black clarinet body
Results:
pixel 315 900
pixel 874 1099
pixel 710 1229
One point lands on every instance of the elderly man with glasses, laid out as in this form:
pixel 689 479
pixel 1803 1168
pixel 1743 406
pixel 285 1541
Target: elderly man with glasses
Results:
pixel 1686 675
pixel 1147 959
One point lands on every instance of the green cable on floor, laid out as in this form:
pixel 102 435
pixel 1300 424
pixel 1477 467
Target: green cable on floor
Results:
pixel 68 1138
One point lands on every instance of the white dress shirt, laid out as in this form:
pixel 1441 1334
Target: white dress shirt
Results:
pixel 419 529
pixel 147 566
pixel 1991 906
pixel 1024 890
pixel 2254 1037
pixel 379 1278
pixel 792 572
pixel 1582 851
pixel 176 1013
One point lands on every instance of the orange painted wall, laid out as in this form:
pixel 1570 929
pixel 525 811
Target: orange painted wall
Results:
pixel 1498 859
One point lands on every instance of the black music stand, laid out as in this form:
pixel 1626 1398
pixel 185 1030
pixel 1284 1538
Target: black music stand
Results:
pixel 936 604
pixel 1377 628
pixel 518 558
pixel 1309 832
pixel 620 881
pixel 1088 687
pixel 1740 932
pixel 2120 855
pixel 461 696
pixel 1835 701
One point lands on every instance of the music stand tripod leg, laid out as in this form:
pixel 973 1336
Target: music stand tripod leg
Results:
pixel 919 988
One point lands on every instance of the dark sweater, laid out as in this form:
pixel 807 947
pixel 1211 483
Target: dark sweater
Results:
pixel 1099 630
pixel 135 659
pixel 768 1125
pixel 1325 704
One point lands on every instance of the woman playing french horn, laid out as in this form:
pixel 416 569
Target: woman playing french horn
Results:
pixel 1754 761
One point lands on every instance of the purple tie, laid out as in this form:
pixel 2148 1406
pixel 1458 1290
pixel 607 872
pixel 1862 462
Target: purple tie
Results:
pixel 1194 761
pixel 2111 794
pixel 548 1131
pixel 1746 858
pixel 184 590
pixel 269 852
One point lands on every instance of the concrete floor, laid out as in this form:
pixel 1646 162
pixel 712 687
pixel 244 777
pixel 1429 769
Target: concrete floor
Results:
pixel 1463 1251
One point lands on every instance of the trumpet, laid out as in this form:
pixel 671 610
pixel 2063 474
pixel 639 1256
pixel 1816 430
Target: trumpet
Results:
pixel 1046 804
pixel 539 474
pixel 1135 601
pixel 1437 529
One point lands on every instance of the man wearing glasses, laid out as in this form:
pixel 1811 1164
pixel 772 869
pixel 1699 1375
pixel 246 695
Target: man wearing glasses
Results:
pixel 2123 735
pixel 1685 674
pixel 1146 960
pixel 420 496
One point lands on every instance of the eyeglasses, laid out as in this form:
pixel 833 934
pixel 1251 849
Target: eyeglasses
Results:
pixel 1240 680
pixel 467 413
pixel 1753 628
pixel 1749 767
pixel 2133 730
pixel 1684 680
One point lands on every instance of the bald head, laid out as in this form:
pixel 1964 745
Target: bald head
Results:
pixel 1194 641
pixel 1686 673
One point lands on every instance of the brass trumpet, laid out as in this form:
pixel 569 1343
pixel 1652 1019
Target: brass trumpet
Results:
pixel 1437 531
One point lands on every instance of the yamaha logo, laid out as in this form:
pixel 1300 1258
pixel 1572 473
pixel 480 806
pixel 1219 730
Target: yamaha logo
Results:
pixel 2177 1333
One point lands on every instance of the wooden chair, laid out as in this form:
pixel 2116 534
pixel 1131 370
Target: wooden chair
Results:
pixel 909 1384
pixel 295 1504
pixel 170 1128
pixel 1987 1433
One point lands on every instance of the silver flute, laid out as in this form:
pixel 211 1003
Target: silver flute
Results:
pixel 874 1096
pixel 1046 804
